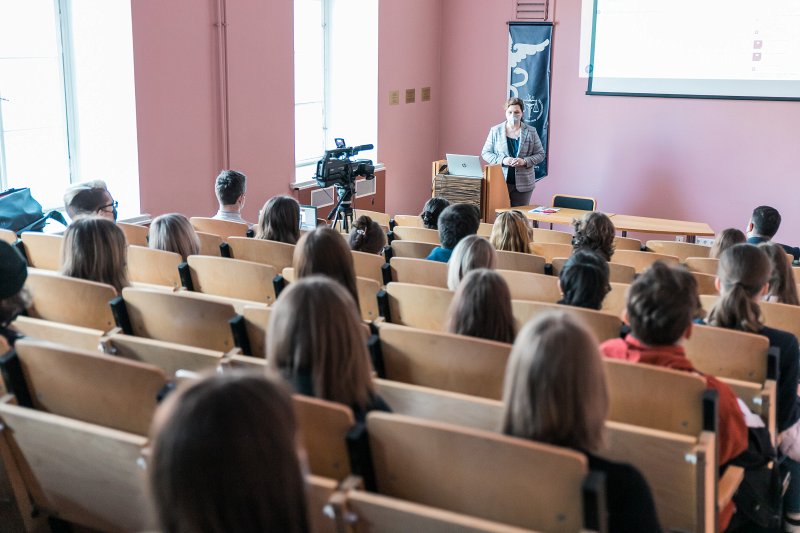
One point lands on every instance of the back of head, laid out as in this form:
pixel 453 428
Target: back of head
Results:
pixel 584 279
pixel 726 239
pixel 456 222
pixel 510 232
pixel 481 307
pixel 85 199
pixel 14 299
pixel 279 220
pixel 555 389
pixel 229 186
pixel 743 273
pixel 470 253
pixel 596 232
pixel 367 236
pixel 174 233
pixel 662 302
pixel 316 341
pixel 766 221
pixel 782 286
pixel 94 249
pixel 431 211
pixel 323 251
pixel 224 457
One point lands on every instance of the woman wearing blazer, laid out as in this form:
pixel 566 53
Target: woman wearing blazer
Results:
pixel 517 147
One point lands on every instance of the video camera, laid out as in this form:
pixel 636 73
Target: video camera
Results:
pixel 337 168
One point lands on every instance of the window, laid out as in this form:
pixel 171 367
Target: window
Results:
pixel 336 78
pixel 67 106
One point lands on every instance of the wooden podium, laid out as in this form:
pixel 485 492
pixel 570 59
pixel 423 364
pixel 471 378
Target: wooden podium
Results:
pixel 487 193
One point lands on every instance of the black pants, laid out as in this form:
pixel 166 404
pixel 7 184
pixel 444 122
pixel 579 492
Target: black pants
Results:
pixel 518 198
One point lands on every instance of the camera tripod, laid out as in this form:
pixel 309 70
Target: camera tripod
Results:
pixel 343 211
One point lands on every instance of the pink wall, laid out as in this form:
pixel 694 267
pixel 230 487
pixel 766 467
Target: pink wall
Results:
pixel 709 160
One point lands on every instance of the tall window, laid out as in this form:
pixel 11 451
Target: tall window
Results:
pixel 67 106
pixel 336 77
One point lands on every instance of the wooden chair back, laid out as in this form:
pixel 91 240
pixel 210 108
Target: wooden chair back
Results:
pixel 256 323
pixel 274 253
pixel 369 266
pixel 320 491
pixel 381 218
pixel 57 332
pixel 569 201
pixel 485 229
pixel 418 306
pixel 7 235
pixel 641 260
pixel 605 326
pixel 626 243
pixel 410 233
pixel 549 250
pixel 704 265
pixel 70 300
pixel 180 319
pixel 706 283
pixel 617 272
pixel 419 271
pixel 796 273
pixel 445 361
pixel 223 228
pixel 541 235
pixel 83 473
pixel 42 250
pixel 531 287
pixel 135 234
pixel 157 267
pixel 90 386
pixel 707 301
pixel 209 243
pixel 367 294
pixel 413 249
pixel 519 482
pixel 168 356
pixel 616 299
pixel 323 427
pixel 520 261
pixel 413 221
pixel 681 250
pixel 781 316
pixel 233 278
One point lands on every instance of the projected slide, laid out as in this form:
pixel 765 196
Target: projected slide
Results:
pixel 730 48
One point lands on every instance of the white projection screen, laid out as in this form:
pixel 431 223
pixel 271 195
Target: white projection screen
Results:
pixel 692 48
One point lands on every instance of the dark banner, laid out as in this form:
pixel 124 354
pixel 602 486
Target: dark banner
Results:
pixel 529 46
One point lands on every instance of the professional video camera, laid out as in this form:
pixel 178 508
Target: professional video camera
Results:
pixel 337 169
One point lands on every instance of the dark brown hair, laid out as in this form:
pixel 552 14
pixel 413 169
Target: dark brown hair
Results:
pixel 279 220
pixel 315 332
pixel 367 236
pixel 224 458
pixel 662 302
pixel 743 272
pixel 727 238
pixel 596 232
pixel 323 251
pixel 431 211
pixel 229 186
pixel 95 249
pixel 781 279
pixel 514 101
pixel 584 280
pixel 481 307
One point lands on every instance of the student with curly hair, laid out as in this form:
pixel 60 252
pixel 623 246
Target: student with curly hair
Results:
pixel 367 236
pixel 596 232
pixel 431 211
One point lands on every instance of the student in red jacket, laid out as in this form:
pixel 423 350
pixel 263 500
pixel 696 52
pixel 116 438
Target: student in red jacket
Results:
pixel 661 304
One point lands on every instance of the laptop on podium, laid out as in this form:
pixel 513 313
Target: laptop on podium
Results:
pixel 464 165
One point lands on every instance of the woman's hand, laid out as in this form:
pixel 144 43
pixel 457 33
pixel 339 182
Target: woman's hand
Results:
pixel 514 162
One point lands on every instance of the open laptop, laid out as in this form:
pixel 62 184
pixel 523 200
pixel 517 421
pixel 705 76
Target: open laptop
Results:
pixel 308 217
pixel 464 165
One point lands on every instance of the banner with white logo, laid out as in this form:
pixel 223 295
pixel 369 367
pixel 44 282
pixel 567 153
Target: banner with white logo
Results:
pixel 529 46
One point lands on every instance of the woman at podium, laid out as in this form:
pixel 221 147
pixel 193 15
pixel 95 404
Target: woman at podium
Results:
pixel 517 147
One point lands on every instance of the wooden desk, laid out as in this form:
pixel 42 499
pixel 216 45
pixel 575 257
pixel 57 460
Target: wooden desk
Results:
pixel 563 216
pixel 626 223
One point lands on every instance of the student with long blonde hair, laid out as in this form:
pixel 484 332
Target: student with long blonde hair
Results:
pixel 279 220
pixel 555 392
pixel 470 253
pixel 95 249
pixel 511 232
pixel 323 251
pixel 782 287
pixel 174 233
pixel 481 307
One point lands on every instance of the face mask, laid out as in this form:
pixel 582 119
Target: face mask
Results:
pixel 513 120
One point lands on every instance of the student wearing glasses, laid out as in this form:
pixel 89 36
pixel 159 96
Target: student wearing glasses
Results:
pixel 90 198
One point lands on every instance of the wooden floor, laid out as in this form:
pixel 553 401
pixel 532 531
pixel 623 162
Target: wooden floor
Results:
pixel 9 515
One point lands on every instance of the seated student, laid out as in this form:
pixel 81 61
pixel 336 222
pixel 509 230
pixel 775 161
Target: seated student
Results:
pixel 596 232
pixel 555 392
pixel 224 457
pixel 583 280
pixel 95 249
pixel 470 253
pixel 279 220
pixel 367 236
pixel 727 238
pixel 481 307
pixel 782 287
pixel 511 232
pixel 318 342
pixel 661 304
pixel 14 297
pixel 763 225
pixel 456 222
pixel 431 211
pixel 173 233
pixel 90 198
pixel 323 251
pixel 230 187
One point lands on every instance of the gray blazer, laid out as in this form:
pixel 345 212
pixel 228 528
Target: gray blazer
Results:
pixel 530 149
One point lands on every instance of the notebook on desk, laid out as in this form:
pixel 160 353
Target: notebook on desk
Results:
pixel 464 165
